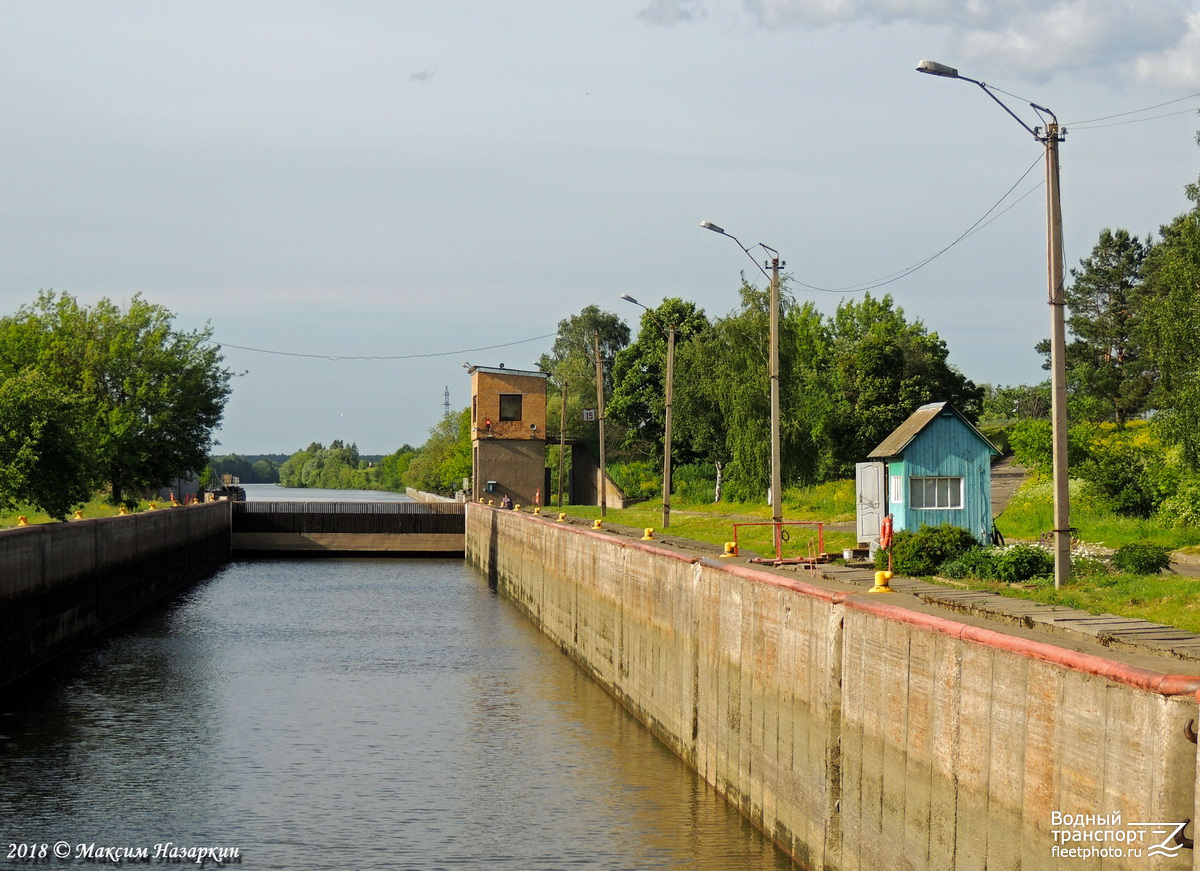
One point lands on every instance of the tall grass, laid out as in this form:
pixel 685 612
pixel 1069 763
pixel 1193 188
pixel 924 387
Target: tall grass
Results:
pixel 1031 512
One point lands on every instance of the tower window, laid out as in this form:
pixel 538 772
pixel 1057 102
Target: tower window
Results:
pixel 510 406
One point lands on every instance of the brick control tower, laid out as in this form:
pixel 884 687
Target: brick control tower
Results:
pixel 508 434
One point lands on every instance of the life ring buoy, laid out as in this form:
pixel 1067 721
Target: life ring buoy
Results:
pixel 885 533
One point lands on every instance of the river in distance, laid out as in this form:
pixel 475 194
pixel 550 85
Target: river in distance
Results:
pixel 348 714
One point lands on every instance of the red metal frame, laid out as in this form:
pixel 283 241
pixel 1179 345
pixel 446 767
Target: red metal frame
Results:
pixel 811 559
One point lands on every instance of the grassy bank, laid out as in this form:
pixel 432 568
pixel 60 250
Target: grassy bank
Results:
pixel 713 522
pixel 1167 598
pixel 96 508
pixel 1031 512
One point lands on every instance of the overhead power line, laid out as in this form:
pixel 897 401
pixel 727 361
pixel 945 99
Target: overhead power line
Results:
pixel 1138 112
pixel 336 358
pixel 970 231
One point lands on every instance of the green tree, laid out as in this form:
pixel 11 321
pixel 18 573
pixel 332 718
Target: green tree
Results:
pixel 1004 404
pixel 152 394
pixel 639 376
pixel 885 367
pixel 1106 367
pixel 445 458
pixel 44 454
pixel 337 467
pixel 1170 325
pixel 264 472
pixel 845 383
pixel 722 394
pixel 571 361
pixel 393 467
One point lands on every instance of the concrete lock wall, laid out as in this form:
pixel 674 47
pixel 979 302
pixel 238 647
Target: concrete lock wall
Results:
pixel 860 734
pixel 63 583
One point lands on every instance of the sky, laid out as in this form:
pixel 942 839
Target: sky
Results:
pixel 423 185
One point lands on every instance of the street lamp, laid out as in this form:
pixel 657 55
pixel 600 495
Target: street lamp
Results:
pixel 669 332
pixel 776 485
pixel 1050 136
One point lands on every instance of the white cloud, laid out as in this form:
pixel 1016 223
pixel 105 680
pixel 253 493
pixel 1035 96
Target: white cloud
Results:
pixel 1075 34
pixel 668 12
pixel 1154 39
pixel 1179 65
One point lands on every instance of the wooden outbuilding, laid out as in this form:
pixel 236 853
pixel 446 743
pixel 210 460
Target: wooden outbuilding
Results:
pixel 934 468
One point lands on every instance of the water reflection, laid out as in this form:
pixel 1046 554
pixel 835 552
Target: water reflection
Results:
pixel 354 714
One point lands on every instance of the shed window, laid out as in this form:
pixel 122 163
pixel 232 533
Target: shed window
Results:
pixel 510 406
pixel 936 492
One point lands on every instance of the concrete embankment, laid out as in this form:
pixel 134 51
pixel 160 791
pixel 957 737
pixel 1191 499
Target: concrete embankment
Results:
pixel 64 583
pixel 865 732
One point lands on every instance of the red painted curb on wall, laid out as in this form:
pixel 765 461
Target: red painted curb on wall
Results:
pixel 1130 675
pixel 600 533
pixel 835 597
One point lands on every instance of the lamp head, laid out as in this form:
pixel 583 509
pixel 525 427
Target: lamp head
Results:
pixel 934 68
pixel 629 298
pixel 709 225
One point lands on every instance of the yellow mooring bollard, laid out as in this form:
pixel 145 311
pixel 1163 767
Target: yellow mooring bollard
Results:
pixel 22 520
pixel 648 535
pixel 597 524
pixel 153 506
pixel 517 507
pixel 123 511
pixel 79 514
pixel 537 509
pixel 730 549
pixel 562 518
pixel 881 583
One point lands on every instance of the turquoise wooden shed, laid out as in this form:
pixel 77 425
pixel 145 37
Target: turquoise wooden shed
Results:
pixel 938 469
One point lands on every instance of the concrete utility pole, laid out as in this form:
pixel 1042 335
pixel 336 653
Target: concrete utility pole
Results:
pixel 776 470
pixel 600 418
pixel 1049 137
pixel 667 428
pixel 1058 355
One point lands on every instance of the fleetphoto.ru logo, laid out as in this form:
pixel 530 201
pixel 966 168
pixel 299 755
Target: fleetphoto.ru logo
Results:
pixel 1105 836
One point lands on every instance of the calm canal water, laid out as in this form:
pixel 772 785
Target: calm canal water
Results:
pixel 342 714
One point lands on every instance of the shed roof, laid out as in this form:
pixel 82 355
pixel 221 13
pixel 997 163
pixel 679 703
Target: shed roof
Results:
pixel 903 435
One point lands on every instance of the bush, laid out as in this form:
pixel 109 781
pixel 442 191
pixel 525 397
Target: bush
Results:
pixel 975 563
pixel 1021 562
pixel 1018 562
pixel 923 552
pixel 1125 473
pixel 638 479
pixel 1182 508
pixel 1141 559
pixel 694 482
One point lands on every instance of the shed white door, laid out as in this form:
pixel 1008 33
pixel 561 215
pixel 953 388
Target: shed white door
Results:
pixel 869 479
